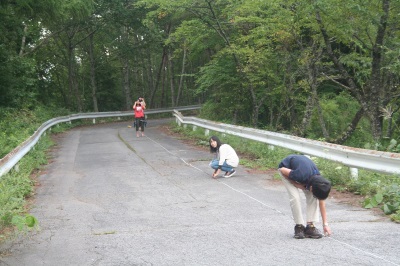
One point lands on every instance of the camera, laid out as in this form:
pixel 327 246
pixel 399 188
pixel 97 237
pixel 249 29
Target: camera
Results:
pixel 140 100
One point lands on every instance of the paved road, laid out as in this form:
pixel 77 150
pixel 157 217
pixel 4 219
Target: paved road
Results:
pixel 110 198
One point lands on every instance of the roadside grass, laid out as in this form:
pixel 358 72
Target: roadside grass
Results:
pixel 378 190
pixel 17 186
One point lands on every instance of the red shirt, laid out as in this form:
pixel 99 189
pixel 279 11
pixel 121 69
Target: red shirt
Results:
pixel 139 111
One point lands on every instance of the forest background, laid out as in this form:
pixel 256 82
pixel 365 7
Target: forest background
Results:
pixel 326 70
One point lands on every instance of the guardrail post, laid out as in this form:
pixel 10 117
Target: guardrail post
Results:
pixel 194 128
pixel 94 120
pixel 185 126
pixel 207 132
pixel 354 173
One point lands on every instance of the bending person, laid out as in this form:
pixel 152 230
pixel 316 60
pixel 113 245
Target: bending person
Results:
pixel 300 172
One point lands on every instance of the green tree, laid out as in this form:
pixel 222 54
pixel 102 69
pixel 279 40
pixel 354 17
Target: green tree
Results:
pixel 19 32
pixel 359 52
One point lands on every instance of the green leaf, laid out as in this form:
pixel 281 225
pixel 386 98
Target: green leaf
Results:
pixel 386 209
pixel 30 221
pixel 378 198
pixel 367 204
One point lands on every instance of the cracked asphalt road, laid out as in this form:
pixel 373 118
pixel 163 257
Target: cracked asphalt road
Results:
pixel 110 198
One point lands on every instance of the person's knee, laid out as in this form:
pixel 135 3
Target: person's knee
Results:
pixel 214 165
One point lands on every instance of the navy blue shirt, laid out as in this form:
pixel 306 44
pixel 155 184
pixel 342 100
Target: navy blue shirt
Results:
pixel 302 168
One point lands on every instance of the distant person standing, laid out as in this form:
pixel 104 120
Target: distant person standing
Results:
pixel 138 107
pixel 225 160
pixel 300 172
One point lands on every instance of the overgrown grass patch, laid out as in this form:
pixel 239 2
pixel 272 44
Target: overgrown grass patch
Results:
pixel 18 125
pixel 18 185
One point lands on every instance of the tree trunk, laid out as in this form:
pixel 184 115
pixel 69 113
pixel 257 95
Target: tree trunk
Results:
pixel 350 129
pixel 73 86
pixel 125 73
pixel 307 116
pixel 376 86
pixel 182 75
pixel 369 97
pixel 164 76
pixel 159 77
pixel 92 74
pixel 23 41
pixel 321 120
pixel 313 100
pixel 171 79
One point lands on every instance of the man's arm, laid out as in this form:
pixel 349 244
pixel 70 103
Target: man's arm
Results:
pixel 285 172
pixel 322 208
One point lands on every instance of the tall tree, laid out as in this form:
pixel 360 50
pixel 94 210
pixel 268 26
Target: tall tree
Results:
pixel 358 52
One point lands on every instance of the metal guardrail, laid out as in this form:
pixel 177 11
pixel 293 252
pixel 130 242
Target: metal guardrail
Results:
pixel 11 159
pixel 378 161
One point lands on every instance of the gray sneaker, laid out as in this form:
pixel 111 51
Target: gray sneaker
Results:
pixel 312 232
pixel 299 231
pixel 229 174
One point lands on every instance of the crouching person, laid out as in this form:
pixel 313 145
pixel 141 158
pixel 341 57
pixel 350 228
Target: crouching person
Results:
pixel 225 160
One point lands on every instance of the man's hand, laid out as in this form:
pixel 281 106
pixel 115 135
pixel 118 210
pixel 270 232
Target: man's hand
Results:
pixel 327 230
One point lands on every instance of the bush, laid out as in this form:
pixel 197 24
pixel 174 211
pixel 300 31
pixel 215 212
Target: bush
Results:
pixel 18 125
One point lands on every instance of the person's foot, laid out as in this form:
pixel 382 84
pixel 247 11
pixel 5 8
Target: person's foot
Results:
pixel 229 174
pixel 142 134
pixel 299 231
pixel 312 232
pixel 137 135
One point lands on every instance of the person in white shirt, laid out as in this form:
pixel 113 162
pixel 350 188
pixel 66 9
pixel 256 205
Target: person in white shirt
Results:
pixel 225 159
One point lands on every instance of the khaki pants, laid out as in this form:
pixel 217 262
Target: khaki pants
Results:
pixel 295 203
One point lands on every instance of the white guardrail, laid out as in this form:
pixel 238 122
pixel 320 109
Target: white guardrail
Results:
pixel 11 159
pixel 355 158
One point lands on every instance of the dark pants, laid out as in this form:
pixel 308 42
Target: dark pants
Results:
pixel 139 122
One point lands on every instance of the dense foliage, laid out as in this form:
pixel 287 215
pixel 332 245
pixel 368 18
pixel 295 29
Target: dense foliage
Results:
pixel 294 66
